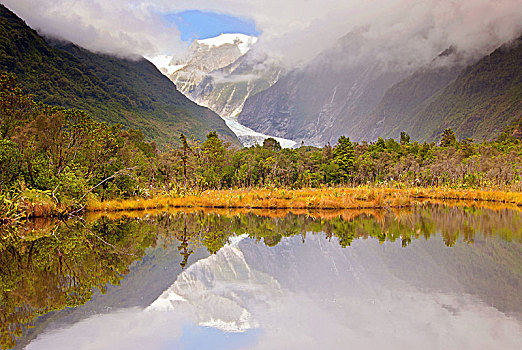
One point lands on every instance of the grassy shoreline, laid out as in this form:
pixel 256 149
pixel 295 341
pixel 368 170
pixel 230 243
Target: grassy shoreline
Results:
pixel 30 205
pixel 324 199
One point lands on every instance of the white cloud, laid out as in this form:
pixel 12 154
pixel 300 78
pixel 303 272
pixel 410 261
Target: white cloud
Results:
pixel 123 28
pixel 222 78
pixel 410 30
pixel 123 329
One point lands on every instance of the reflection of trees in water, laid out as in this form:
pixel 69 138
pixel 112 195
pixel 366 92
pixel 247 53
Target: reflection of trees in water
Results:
pixel 46 267
pixel 452 222
pixel 184 243
pixel 63 268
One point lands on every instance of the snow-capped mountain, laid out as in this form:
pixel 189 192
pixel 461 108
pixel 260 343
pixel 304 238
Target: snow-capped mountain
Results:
pixel 225 90
pixel 203 57
pixel 242 41
pixel 221 73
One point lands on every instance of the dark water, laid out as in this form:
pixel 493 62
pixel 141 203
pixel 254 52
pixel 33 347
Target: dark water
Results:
pixel 432 278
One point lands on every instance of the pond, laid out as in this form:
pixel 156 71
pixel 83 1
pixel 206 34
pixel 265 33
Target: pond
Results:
pixel 431 277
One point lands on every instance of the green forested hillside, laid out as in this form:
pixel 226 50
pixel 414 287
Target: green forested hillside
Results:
pixel 480 103
pixel 484 99
pixel 131 92
pixel 402 101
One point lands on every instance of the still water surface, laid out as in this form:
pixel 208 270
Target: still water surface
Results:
pixel 432 278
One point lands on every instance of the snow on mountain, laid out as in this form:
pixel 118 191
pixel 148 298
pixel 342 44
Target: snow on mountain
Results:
pixel 200 49
pixel 206 56
pixel 244 42
pixel 164 64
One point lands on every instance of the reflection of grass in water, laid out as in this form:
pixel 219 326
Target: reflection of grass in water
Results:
pixel 332 198
pixel 65 260
pixel 347 214
pixel 454 221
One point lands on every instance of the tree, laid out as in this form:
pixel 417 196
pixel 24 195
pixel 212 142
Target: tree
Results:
pixel 448 138
pixel 15 107
pixel 380 145
pixel 214 160
pixel 185 148
pixel 344 156
pixel 10 163
pixel 405 138
pixel 271 144
pixel 327 152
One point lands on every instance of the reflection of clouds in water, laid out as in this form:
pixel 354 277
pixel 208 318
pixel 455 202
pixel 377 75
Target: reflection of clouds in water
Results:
pixel 301 296
pixel 126 329
pixel 351 298
pixel 396 320
pixel 134 329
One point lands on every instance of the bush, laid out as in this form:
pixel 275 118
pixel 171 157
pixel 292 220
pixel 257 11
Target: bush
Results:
pixel 10 164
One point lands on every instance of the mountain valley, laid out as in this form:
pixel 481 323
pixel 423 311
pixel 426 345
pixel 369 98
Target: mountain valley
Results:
pixel 131 92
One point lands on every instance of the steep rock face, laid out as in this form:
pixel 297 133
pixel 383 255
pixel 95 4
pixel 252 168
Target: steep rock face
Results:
pixel 221 73
pixel 130 92
pixel 204 61
pixel 225 90
pixel 328 98
pixel 323 100
pixel 404 99
pixel 205 56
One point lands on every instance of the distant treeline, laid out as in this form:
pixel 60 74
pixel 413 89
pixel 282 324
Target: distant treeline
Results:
pixel 67 157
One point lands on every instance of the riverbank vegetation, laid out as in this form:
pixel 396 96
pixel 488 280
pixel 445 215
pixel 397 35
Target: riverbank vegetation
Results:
pixel 364 197
pixel 56 161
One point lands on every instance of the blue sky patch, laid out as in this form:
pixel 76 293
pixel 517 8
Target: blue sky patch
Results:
pixel 206 338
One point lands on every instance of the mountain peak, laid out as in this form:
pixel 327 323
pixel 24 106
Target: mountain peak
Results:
pixel 242 41
pixel 199 51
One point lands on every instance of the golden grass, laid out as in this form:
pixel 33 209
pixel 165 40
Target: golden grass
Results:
pixel 312 199
pixel 37 204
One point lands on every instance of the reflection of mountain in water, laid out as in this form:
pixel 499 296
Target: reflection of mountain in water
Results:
pixel 298 283
pixel 404 280
pixel 311 293
pixel 219 288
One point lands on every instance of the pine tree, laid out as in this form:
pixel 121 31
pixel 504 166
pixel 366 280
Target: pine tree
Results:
pixel 448 138
pixel 405 138
pixel 344 156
